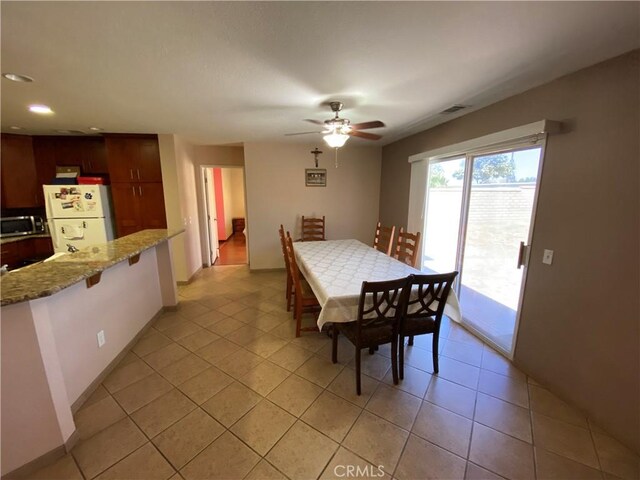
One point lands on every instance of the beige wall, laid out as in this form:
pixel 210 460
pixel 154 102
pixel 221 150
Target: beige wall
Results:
pixel 50 354
pixel 276 194
pixel 178 159
pixel 219 156
pixel 579 331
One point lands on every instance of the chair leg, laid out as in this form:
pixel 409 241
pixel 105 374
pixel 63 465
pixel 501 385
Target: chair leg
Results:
pixel 411 340
pixel 358 389
pixel 334 344
pixel 289 295
pixel 435 353
pixel 394 359
pixel 401 355
pixel 298 317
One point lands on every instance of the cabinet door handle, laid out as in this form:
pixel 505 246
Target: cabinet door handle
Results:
pixel 131 172
pixel 140 190
pixel 90 165
pixel 133 189
pixel 138 172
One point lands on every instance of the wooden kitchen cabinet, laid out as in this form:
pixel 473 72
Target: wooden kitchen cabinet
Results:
pixel 89 153
pixel 18 171
pixel 42 247
pixel 15 253
pixel 138 206
pixel 9 254
pixel 44 154
pixel 133 158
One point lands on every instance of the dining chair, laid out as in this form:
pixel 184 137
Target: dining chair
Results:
pixel 289 291
pixel 423 312
pixel 380 309
pixel 383 240
pixel 305 300
pixel 312 229
pixel 407 247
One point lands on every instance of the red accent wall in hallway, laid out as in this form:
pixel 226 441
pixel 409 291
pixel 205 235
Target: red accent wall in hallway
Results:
pixel 217 188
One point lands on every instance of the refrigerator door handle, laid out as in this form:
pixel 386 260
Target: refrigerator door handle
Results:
pixel 54 237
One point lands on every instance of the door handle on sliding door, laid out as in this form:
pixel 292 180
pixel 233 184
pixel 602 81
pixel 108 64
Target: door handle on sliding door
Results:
pixel 523 255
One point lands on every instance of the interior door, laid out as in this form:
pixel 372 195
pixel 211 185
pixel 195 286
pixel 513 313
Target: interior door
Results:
pixel 212 221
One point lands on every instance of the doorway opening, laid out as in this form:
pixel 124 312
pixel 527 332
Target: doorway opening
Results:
pixel 479 221
pixel 224 197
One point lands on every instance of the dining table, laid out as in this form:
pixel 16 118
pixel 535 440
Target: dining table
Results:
pixel 335 270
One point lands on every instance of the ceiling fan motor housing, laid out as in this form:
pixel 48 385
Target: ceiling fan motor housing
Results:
pixel 336 106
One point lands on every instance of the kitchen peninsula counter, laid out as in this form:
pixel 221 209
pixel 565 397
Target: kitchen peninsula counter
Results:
pixel 65 324
pixel 44 279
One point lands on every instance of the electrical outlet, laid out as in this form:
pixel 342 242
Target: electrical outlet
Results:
pixel 101 339
pixel 547 257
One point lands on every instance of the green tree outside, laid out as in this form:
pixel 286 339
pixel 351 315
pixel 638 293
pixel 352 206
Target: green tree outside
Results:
pixel 491 168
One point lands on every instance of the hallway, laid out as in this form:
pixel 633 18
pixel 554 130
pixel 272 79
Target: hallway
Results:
pixel 233 251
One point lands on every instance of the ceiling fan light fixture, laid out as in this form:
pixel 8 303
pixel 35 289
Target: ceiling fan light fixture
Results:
pixel 336 140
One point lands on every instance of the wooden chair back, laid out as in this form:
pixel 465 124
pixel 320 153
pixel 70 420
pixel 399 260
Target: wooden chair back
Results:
pixel 407 247
pixel 381 303
pixel 292 264
pixel 283 244
pixel 289 285
pixel 312 229
pixel 383 240
pixel 429 295
pixel 424 309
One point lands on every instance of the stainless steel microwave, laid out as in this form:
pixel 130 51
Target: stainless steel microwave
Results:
pixel 25 225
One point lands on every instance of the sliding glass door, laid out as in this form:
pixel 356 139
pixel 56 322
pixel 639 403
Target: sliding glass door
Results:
pixel 479 217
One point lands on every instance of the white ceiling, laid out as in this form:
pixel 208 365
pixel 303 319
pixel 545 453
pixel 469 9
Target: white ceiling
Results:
pixel 230 72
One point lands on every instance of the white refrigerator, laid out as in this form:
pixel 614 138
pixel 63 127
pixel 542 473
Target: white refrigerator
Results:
pixel 78 215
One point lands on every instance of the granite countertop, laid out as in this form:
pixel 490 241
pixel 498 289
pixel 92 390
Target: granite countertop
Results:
pixel 23 237
pixel 47 278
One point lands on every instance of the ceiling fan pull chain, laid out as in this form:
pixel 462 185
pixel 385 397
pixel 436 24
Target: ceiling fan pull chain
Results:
pixel 336 158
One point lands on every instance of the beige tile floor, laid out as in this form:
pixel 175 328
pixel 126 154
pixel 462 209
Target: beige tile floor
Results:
pixel 222 389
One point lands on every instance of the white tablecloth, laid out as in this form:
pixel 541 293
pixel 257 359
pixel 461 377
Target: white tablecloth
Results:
pixel 335 270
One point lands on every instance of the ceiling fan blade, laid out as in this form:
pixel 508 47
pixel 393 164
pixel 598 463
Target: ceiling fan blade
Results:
pixel 368 136
pixel 310 120
pixel 365 125
pixel 300 133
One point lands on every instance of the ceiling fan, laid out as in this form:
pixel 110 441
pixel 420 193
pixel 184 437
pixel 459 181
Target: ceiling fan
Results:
pixel 338 130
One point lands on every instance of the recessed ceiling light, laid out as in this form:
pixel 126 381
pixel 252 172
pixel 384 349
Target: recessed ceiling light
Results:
pixel 14 127
pixel 41 109
pixel 16 77
pixel 95 129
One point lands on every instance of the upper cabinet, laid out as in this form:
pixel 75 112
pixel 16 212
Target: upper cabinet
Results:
pixel 88 153
pixel 133 158
pixel 18 172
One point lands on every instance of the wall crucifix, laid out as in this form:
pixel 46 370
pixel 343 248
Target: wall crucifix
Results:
pixel 316 152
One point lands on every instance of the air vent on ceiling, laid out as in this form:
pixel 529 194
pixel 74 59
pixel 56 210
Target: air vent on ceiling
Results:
pixel 454 108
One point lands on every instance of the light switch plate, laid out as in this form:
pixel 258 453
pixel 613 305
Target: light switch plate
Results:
pixel 101 339
pixel 547 257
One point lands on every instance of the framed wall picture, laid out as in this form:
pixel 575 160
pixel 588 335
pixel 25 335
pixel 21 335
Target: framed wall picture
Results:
pixel 315 177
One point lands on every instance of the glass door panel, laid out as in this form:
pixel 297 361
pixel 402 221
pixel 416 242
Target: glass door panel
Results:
pixel 498 217
pixel 442 216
